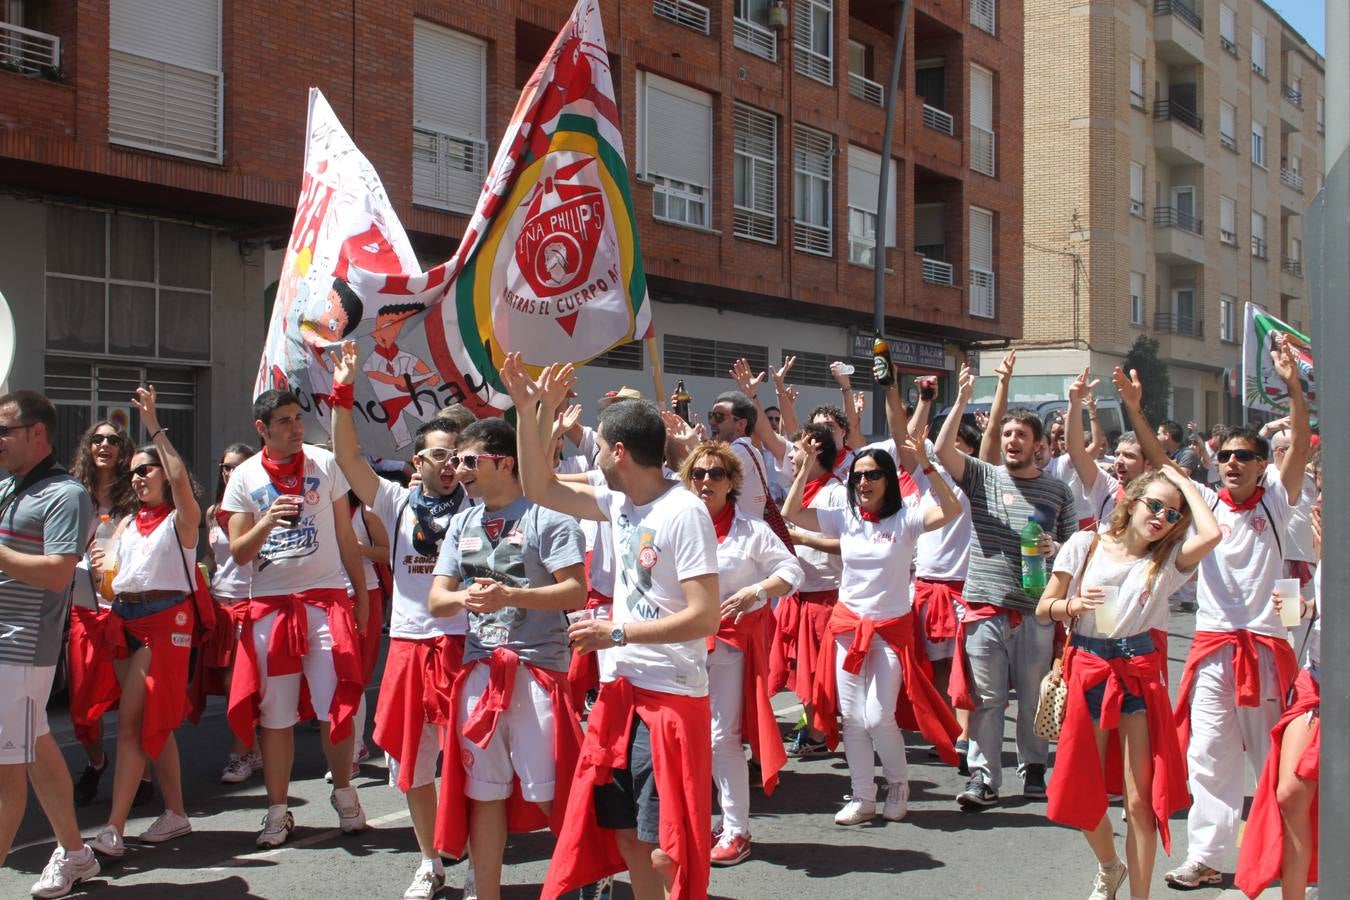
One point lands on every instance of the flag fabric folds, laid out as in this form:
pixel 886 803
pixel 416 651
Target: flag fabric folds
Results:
pixel 1262 388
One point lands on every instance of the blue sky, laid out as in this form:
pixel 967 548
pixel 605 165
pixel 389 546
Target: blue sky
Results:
pixel 1307 17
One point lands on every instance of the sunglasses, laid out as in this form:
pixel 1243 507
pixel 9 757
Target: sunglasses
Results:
pixel 869 474
pixel 97 439
pixel 1156 506
pixel 7 430
pixel 144 469
pixel 438 455
pixel 716 473
pixel 715 417
pixel 227 468
pixel 1243 456
pixel 470 460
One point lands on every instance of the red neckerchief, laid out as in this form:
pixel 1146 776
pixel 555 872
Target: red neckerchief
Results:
pixel 389 353
pixel 868 516
pixel 839 457
pixel 722 521
pixel 149 517
pixel 287 478
pixel 223 520
pixel 1120 493
pixel 908 486
pixel 814 487
pixel 1249 503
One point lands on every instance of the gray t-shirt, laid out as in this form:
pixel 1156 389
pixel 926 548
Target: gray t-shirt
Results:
pixel 1189 461
pixel 999 508
pixel 520 545
pixel 50 517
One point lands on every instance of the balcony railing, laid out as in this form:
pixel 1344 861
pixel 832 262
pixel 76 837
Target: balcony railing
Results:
pixel 1229 45
pixel 683 12
pixel 1171 217
pixel 1167 109
pixel 1171 323
pixel 755 38
pixel 1258 247
pixel 1292 94
pixel 866 89
pixel 935 271
pixel 1290 178
pixel 1181 11
pixel 938 120
pixel 1228 237
pixel 1227 141
pixel 982 293
pixel 982 150
pixel 1292 266
pixel 1259 68
pixel 29 52
pixel 1136 99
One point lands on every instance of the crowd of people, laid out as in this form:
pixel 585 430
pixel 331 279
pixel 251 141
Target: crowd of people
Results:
pixel 589 641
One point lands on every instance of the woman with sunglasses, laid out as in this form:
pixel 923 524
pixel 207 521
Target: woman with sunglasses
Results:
pixel 150 630
pixel 231 584
pixel 868 668
pixel 1116 671
pixel 752 566
pixel 100 464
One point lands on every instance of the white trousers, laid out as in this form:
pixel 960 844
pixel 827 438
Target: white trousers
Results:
pixel 867 705
pixel 731 774
pixel 279 706
pixel 1220 729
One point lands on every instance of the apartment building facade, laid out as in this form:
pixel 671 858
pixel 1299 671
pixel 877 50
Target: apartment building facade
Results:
pixel 1171 148
pixel 150 157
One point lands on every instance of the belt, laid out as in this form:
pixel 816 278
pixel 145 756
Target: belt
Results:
pixel 149 596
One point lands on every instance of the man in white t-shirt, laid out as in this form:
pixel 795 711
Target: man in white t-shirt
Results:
pixel 649 805
pixel 424 652
pixel 290 520
pixel 733 419
pixel 1240 664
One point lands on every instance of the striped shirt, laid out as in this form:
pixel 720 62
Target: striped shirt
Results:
pixel 50 517
pixel 999 508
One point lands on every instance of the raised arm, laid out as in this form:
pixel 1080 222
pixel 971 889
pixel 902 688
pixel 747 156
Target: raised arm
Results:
pixel 989 442
pixel 854 437
pixel 923 410
pixel 748 383
pixel 808 467
pixel 1084 463
pixel 951 457
pixel 1098 446
pixel 1300 432
pixel 913 458
pixel 189 512
pixel 896 418
pixel 359 474
pixel 1132 398
pixel 787 400
pixel 1205 534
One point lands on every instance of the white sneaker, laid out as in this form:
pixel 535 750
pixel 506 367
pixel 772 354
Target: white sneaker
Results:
pixel 109 843
pixel 236 770
pixel 351 817
pixel 470 884
pixel 856 811
pixel 276 827
pixel 1108 881
pixel 897 801
pixel 425 883
pixel 356 770
pixel 167 827
pixel 254 760
pixel 64 871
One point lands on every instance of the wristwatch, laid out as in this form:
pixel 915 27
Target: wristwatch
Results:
pixel 618 637
pixel 760 594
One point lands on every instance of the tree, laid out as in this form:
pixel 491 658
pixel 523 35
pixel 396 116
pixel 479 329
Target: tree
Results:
pixel 1143 358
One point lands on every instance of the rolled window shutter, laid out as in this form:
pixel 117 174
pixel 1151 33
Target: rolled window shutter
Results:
pixel 679 132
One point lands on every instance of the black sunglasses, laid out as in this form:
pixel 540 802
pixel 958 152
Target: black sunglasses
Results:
pixel 7 430
pixel 715 416
pixel 144 469
pixel 1156 506
pixel 869 474
pixel 1243 456
pixel 470 460
pixel 227 468
pixel 716 473
pixel 97 439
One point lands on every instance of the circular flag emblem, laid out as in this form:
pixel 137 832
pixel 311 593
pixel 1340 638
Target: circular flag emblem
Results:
pixel 647 557
pixel 180 619
pixel 312 498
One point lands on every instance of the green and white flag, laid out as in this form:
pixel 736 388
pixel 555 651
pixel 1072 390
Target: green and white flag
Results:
pixel 1262 388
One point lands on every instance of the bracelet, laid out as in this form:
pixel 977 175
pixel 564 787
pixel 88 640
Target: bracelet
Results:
pixel 158 433
pixel 928 470
pixel 343 396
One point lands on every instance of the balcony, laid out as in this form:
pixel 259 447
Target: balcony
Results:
pixel 755 38
pixel 30 52
pixel 1291 266
pixel 1178 32
pixel 1171 217
pixel 981 288
pixel 683 12
pixel 866 89
pixel 1292 200
pixel 1178 133
pixel 1292 179
pixel 1178 236
pixel 1172 323
pixel 1229 45
pixel 935 271
pixel 1292 94
pixel 938 120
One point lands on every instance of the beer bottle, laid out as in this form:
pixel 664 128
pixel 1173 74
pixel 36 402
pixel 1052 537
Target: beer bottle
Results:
pixel 682 400
pixel 882 370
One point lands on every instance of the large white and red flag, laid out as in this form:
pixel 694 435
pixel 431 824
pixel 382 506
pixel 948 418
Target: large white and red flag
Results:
pixel 549 265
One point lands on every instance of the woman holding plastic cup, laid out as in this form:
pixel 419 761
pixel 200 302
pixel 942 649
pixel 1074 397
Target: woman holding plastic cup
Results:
pixel 752 566
pixel 1113 586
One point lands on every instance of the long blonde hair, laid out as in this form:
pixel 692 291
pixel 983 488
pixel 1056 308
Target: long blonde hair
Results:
pixel 1160 550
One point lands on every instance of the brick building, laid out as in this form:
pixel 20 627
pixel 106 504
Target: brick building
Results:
pixel 150 157
pixel 1172 147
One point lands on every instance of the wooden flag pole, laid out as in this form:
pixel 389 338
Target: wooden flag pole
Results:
pixel 661 397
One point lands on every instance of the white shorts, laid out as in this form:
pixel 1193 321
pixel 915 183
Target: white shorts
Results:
pixel 279 705
pixel 23 710
pixel 424 767
pixel 521 746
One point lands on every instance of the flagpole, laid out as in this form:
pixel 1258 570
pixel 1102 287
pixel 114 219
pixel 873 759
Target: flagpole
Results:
pixel 655 356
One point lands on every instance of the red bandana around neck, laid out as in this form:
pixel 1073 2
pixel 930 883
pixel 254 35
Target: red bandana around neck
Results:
pixel 149 517
pixel 1250 503
pixel 387 352
pixel 814 486
pixel 288 478
pixel 223 520
pixel 868 516
pixel 722 521
pixel 839 457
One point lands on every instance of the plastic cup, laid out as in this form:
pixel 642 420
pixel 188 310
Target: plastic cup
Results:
pixel 1105 615
pixel 1290 607
pixel 109 573
pixel 580 615
pixel 846 369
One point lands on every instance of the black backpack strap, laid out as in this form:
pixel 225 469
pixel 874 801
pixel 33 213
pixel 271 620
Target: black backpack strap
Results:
pixel 1279 545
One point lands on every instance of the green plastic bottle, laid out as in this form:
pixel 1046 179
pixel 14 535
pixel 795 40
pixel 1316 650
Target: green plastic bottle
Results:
pixel 1033 564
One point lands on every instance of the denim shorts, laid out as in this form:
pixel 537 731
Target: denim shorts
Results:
pixel 1114 648
pixel 130 611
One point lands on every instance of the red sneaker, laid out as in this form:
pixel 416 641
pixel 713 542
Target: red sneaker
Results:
pixel 731 849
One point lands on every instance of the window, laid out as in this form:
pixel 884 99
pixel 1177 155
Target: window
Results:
pixel 1227 125
pixel 812 177
pixel 1183 312
pixel 1227 221
pixel 982 263
pixel 864 176
pixel 1259 144
pixel 813 39
pixel 1258 53
pixel 120 285
pixel 1136 190
pixel 1227 29
pixel 982 15
pixel 1136 82
pixel 675 149
pixel 1136 298
pixel 701 356
pixel 812 369
pixel 164 77
pixel 624 356
pixel 982 120
pixel 449 117
pixel 1321 115
pixel 1226 318
pixel 860 83
pixel 1258 235
pixel 752 33
pixel 756 174
pixel 1295 250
